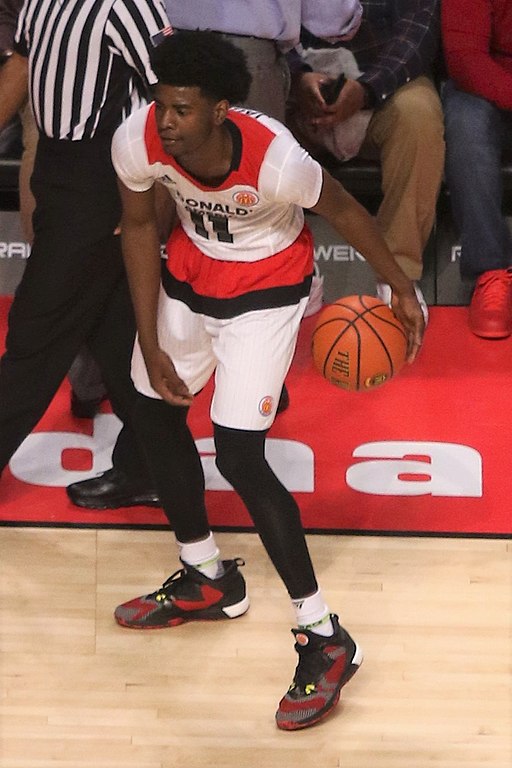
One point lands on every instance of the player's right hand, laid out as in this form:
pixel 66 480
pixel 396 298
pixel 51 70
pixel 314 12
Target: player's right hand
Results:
pixel 165 381
pixel 407 309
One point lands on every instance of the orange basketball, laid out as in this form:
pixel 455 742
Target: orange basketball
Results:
pixel 358 343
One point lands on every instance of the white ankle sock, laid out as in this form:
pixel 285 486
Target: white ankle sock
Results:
pixel 203 555
pixel 312 613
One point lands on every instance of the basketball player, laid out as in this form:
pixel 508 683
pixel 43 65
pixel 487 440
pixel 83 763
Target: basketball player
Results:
pixel 230 301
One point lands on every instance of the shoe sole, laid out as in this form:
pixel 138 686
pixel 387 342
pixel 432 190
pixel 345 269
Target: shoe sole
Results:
pixel 142 501
pixel 357 660
pixel 227 612
pixel 486 335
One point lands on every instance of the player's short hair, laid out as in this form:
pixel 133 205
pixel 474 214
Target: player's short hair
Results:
pixel 204 59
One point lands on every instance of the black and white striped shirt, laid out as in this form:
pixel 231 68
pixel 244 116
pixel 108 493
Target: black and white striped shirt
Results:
pixel 88 61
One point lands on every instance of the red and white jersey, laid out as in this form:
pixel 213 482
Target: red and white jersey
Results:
pixel 251 219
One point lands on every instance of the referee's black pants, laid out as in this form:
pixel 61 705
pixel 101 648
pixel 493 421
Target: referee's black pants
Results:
pixel 73 292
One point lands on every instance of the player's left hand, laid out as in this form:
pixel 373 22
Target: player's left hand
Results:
pixel 407 309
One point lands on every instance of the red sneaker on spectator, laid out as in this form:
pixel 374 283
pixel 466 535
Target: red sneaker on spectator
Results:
pixel 490 311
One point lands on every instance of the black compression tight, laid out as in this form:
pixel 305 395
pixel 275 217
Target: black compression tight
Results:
pixel 174 464
pixel 241 460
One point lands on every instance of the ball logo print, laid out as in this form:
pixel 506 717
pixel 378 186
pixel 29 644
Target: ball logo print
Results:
pixel 358 343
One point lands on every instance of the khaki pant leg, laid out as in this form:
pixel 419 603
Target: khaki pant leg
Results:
pixel 407 136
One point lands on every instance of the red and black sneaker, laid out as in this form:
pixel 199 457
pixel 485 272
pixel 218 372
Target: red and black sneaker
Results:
pixel 325 665
pixel 188 595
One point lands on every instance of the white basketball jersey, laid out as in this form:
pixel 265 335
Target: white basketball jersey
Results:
pixel 255 212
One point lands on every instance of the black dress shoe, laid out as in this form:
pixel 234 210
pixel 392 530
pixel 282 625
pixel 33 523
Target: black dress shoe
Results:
pixel 284 400
pixel 111 490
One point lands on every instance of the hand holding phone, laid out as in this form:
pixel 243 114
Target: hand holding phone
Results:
pixel 332 88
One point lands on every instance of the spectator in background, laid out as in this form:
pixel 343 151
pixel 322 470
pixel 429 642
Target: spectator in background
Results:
pixel 477 39
pixel 391 112
pixel 74 288
pixel 266 32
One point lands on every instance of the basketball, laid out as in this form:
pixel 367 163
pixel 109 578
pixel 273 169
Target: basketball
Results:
pixel 358 343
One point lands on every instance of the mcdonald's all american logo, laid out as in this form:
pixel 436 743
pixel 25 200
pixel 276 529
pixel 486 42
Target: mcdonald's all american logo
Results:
pixel 266 406
pixel 246 198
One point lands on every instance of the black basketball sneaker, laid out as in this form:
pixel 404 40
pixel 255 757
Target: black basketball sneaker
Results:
pixel 325 665
pixel 188 595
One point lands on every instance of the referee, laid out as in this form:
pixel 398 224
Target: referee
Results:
pixel 86 63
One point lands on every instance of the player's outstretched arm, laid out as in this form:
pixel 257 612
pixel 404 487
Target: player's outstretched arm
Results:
pixel 353 222
pixel 141 253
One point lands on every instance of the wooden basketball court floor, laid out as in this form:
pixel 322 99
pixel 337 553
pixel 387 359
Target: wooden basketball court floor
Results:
pixel 433 615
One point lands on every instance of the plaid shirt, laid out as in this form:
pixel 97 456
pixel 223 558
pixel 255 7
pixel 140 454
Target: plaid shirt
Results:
pixel 9 10
pixel 398 40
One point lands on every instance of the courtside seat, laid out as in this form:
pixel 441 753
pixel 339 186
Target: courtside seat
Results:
pixel 359 177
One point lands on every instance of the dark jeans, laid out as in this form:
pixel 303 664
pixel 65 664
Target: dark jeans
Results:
pixel 477 135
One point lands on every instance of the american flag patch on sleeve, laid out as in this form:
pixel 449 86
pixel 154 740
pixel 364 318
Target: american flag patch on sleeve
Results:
pixel 160 36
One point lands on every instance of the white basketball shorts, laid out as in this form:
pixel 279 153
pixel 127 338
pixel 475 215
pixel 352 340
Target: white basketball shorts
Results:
pixel 250 355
